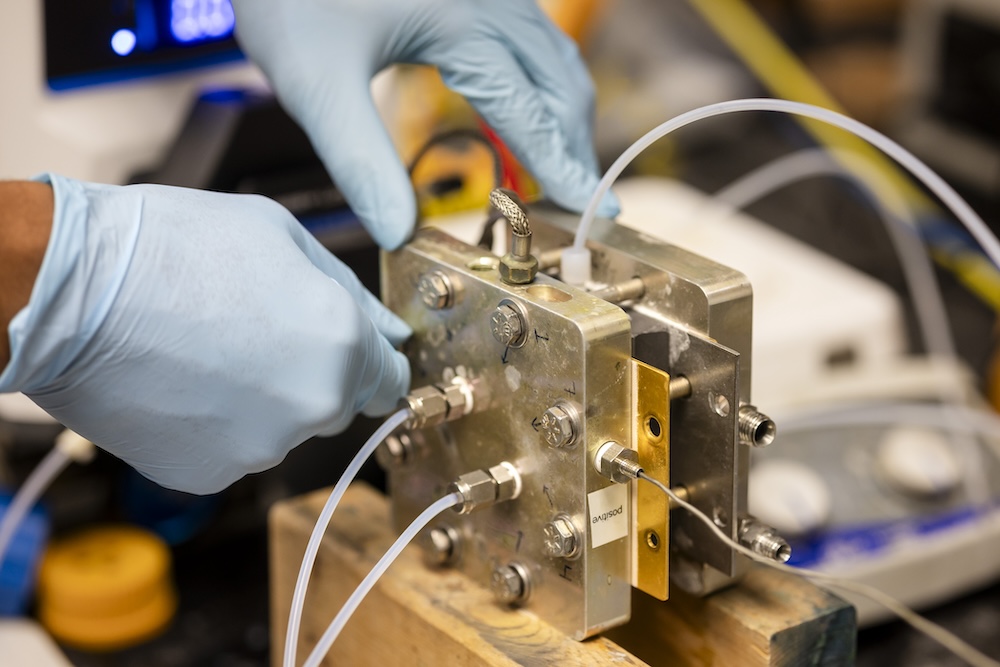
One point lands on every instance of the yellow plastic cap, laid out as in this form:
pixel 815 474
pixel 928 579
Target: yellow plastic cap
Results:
pixel 106 588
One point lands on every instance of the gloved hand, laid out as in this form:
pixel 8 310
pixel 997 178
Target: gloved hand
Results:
pixel 521 73
pixel 198 336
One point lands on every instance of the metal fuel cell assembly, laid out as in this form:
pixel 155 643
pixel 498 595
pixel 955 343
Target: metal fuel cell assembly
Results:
pixel 652 359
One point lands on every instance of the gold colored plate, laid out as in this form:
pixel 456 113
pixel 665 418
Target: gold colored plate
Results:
pixel 651 438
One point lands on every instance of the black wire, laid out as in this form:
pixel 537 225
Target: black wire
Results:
pixel 467 134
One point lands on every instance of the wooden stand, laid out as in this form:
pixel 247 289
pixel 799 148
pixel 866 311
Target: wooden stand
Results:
pixel 418 616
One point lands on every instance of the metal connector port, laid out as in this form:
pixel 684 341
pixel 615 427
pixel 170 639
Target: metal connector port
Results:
pixel 617 463
pixel 438 403
pixel 482 488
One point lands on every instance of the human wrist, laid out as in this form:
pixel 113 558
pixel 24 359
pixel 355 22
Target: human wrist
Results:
pixel 26 210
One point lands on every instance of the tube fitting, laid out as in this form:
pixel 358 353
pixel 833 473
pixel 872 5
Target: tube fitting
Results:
pixel 764 540
pixel 435 404
pixel 482 488
pixel 756 429
pixel 617 463
pixel 519 266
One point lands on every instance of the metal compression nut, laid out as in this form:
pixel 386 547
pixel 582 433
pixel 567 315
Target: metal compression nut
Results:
pixel 434 404
pixel 617 463
pixel 482 488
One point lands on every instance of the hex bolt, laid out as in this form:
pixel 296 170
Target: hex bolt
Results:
pixel 436 290
pixel 511 584
pixel 507 325
pixel 394 451
pixel 559 425
pixel 756 429
pixel 442 546
pixel 561 538
pixel 764 540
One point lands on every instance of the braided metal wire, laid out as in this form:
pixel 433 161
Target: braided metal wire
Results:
pixel 510 209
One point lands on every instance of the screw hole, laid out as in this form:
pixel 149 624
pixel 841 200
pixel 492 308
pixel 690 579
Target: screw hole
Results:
pixel 484 264
pixel 720 518
pixel 653 428
pixel 719 403
pixel 652 540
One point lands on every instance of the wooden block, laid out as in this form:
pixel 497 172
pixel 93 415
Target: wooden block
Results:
pixel 417 616
pixel 414 616
pixel 770 618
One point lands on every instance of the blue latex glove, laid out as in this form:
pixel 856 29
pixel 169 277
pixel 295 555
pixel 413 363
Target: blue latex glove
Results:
pixel 521 73
pixel 198 336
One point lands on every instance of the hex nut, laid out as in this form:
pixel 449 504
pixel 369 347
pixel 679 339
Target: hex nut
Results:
pixel 561 540
pixel 428 405
pixel 435 290
pixel 457 395
pixel 518 271
pixel 477 488
pixel 507 325
pixel 558 425
pixel 508 481
pixel 510 584
pixel 616 462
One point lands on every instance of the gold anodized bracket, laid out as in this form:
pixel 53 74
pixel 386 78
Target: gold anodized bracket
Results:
pixel 651 512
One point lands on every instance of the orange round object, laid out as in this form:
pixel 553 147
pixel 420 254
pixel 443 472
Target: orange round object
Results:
pixel 106 588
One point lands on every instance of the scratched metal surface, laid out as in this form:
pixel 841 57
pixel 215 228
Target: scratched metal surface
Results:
pixel 577 349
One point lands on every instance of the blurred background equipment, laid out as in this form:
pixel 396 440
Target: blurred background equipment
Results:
pixel 885 468
pixel 951 51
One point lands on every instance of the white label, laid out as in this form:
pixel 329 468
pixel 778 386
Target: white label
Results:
pixel 608 514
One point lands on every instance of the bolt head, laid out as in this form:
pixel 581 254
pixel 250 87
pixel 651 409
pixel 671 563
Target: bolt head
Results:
pixel 392 452
pixel 441 546
pixel 435 290
pixel 506 325
pixel 560 538
pixel 557 427
pixel 507 585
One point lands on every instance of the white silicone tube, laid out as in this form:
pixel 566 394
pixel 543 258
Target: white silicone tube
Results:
pixel 29 493
pixel 345 613
pixel 896 216
pixel 305 571
pixel 979 230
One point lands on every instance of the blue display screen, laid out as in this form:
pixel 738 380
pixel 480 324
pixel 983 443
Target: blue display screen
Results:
pixel 90 42
pixel 193 21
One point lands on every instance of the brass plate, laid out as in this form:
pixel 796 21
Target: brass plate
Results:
pixel 651 438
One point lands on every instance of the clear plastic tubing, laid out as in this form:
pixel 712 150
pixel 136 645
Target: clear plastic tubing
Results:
pixel 937 185
pixel 305 571
pixel 29 493
pixel 901 226
pixel 896 217
pixel 345 613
